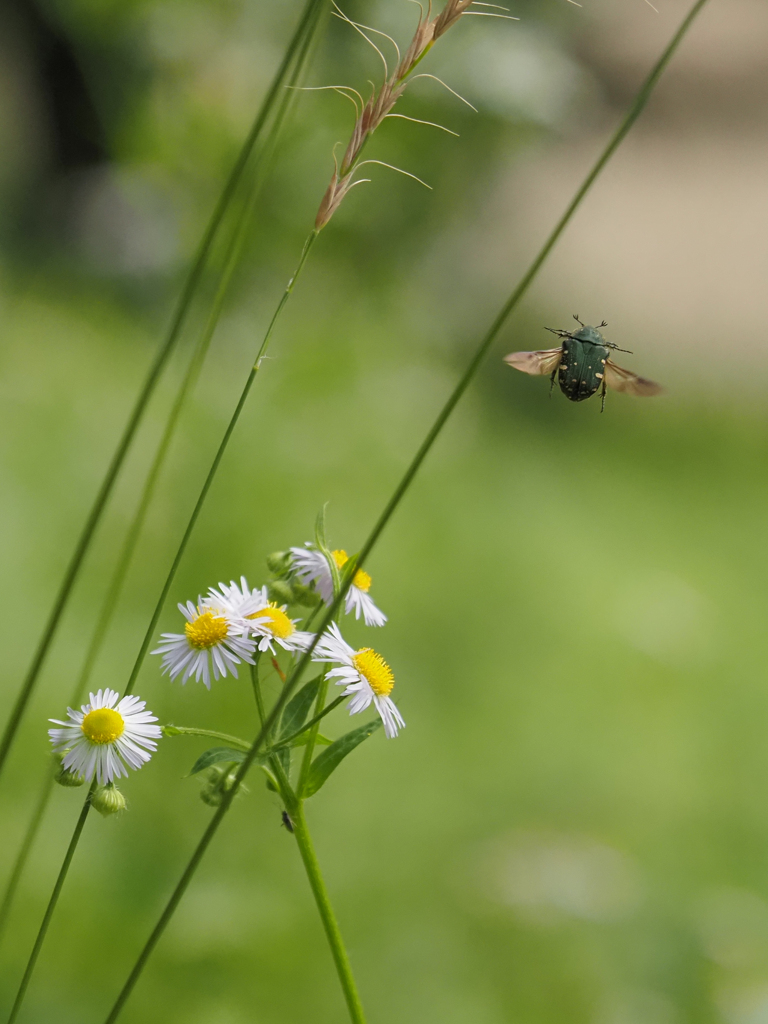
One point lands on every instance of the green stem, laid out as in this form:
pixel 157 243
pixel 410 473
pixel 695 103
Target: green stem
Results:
pixel 214 468
pixel 256 684
pixel 183 730
pixel 330 924
pixel 295 809
pixel 213 826
pixel 21 859
pixel 51 906
pixel 72 572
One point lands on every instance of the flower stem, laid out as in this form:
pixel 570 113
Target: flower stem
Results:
pixel 215 466
pixel 330 924
pixel 637 106
pixel 308 23
pixel 295 807
pixel 183 730
pixel 51 906
pixel 256 684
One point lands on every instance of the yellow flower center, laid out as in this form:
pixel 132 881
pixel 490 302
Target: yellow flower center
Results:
pixel 372 667
pixel 206 631
pixel 277 621
pixel 103 725
pixel 362 580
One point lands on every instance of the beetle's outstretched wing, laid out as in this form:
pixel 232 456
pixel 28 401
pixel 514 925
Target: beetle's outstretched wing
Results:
pixel 536 363
pixel 619 379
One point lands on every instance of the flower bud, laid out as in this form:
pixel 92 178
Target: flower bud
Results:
pixel 305 596
pixel 280 563
pixel 63 776
pixel 108 800
pixel 220 781
pixel 281 592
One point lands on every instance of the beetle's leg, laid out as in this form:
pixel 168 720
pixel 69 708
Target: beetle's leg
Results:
pixel 602 397
pixel 552 380
pixel 609 344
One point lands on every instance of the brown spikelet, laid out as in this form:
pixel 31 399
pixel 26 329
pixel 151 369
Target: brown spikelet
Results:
pixel 381 103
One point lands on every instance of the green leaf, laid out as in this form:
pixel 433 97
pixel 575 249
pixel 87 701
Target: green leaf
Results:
pixel 330 759
pixel 214 755
pixel 322 546
pixel 298 707
pixel 301 740
pixel 320 529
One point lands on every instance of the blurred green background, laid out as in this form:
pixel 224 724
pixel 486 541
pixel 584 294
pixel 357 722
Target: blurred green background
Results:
pixel 574 825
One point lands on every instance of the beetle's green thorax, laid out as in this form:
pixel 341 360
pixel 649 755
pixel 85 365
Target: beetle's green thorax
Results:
pixel 589 334
pixel 582 366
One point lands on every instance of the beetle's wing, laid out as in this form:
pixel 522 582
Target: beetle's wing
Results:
pixel 536 363
pixel 619 379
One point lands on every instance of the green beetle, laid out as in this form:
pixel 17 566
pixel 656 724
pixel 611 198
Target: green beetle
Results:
pixel 582 365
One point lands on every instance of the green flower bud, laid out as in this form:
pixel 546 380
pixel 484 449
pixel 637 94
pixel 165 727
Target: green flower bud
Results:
pixel 304 596
pixel 281 592
pixel 280 563
pixel 219 781
pixel 63 776
pixel 108 800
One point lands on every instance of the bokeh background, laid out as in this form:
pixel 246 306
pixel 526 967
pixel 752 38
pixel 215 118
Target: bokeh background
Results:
pixel 574 825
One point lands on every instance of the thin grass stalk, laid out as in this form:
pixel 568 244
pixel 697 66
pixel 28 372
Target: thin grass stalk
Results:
pixel 372 115
pixel 223 445
pixel 123 564
pixel 27 976
pixel 311 9
pixel 629 119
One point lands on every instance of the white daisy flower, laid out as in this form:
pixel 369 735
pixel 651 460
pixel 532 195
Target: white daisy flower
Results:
pixel 210 637
pixel 237 601
pixel 365 674
pixel 311 566
pixel 104 736
pixel 269 625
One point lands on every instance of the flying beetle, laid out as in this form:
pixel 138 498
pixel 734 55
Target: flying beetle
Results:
pixel 582 365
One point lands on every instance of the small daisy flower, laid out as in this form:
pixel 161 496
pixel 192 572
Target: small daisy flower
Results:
pixel 269 625
pixel 237 601
pixel 310 566
pixel 365 674
pixel 106 735
pixel 210 636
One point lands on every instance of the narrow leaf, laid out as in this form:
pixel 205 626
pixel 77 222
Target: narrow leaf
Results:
pixel 298 707
pixel 301 740
pixel 214 755
pixel 330 759
pixel 320 529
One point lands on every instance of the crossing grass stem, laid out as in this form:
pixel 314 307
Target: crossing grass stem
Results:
pixel 482 349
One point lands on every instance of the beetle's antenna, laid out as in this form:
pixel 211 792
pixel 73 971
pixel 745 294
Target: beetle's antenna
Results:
pixel 603 324
pixel 576 318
